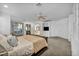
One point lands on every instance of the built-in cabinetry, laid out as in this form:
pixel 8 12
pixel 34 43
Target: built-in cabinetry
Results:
pixel 46 29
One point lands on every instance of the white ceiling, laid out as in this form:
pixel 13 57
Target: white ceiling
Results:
pixel 29 11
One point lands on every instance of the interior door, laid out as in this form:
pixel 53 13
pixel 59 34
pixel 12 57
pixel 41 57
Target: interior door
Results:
pixel 28 29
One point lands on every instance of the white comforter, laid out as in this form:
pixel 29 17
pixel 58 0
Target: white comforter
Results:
pixel 24 48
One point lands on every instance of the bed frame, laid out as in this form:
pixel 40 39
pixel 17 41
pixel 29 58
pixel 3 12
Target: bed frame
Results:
pixel 40 52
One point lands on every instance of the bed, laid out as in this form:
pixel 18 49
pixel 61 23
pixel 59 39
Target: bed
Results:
pixel 27 46
pixel 38 42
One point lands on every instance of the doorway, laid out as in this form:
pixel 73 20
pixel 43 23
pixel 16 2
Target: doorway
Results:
pixel 28 29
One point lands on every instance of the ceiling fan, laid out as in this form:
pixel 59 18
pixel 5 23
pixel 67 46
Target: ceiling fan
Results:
pixel 41 16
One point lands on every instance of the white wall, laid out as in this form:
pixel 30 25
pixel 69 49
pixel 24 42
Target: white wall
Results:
pixel 75 39
pixel 70 23
pixel 4 24
pixel 57 28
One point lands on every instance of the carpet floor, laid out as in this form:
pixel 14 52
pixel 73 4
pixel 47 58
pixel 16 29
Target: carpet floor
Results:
pixel 58 47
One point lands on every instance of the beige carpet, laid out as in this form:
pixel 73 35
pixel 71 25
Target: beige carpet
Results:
pixel 58 47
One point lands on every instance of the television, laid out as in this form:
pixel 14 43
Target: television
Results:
pixel 46 28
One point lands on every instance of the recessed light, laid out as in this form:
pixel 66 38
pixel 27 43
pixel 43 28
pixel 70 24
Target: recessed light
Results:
pixel 5 6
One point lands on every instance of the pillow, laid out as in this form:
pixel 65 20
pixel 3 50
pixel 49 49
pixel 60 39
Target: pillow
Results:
pixel 4 43
pixel 12 40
